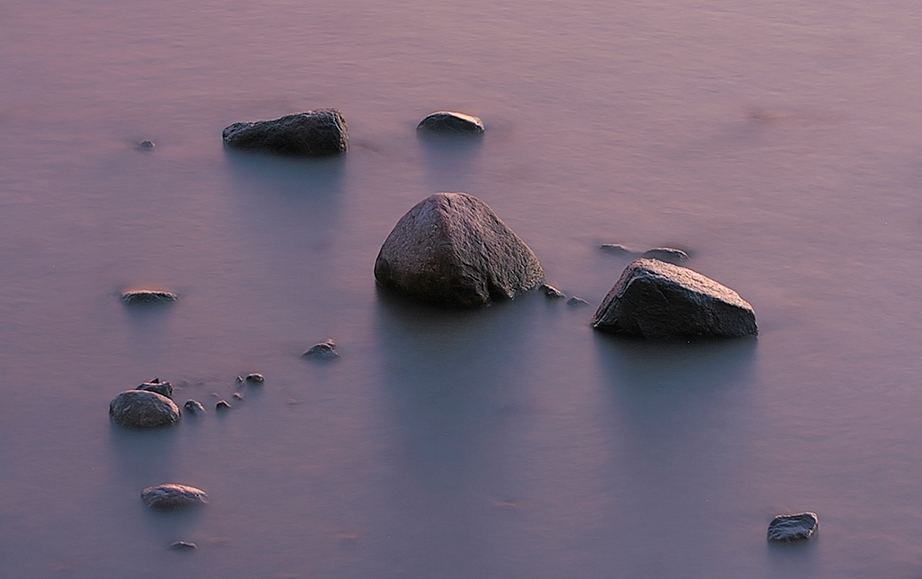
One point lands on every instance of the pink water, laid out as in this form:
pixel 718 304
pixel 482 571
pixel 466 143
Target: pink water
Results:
pixel 779 142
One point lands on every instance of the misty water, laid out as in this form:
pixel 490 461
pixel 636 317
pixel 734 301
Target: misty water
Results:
pixel 778 142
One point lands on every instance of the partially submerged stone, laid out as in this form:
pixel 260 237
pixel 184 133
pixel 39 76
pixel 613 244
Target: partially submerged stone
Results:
pixel 325 350
pixel 452 249
pixel 618 249
pixel 158 386
pixel 552 293
pixel 669 254
pixel 451 122
pixel 790 528
pixel 183 546
pixel 171 497
pixel 655 299
pixel 140 297
pixel 222 405
pixel 577 302
pixel 143 409
pixel 308 134
pixel 255 378
pixel 193 407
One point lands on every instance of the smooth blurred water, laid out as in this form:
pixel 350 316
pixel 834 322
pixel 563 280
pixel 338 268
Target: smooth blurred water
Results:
pixel 779 142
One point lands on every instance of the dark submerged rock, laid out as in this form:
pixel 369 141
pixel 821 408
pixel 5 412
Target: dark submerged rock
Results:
pixel 171 497
pixel 193 407
pixel 655 299
pixel 146 297
pixel 183 546
pixel 552 293
pixel 451 122
pixel 451 249
pixel 618 249
pixel 143 409
pixel 790 528
pixel 146 145
pixel 666 254
pixel 577 302
pixel 222 405
pixel 324 350
pixel 255 378
pixel 155 385
pixel 309 134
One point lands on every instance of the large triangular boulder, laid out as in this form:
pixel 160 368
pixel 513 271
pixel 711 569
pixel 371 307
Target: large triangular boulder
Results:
pixel 452 249
pixel 655 299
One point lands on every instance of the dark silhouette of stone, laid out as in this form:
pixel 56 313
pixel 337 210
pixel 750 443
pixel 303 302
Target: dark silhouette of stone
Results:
pixel 790 528
pixel 222 405
pixel 552 293
pixel 666 254
pixel 324 350
pixel 155 385
pixel 309 134
pixel 143 297
pixel 655 299
pixel 171 497
pixel 193 407
pixel 143 409
pixel 146 145
pixel 452 249
pixel 618 249
pixel 577 302
pixel 451 122
pixel 183 546
pixel 255 378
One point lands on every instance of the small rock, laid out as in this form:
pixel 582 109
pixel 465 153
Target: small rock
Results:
pixel 155 385
pixel 193 407
pixel 183 546
pixel 324 350
pixel 790 528
pixel 222 405
pixel 666 254
pixel 451 122
pixel 145 297
pixel 146 145
pixel 552 292
pixel 255 378
pixel 618 249
pixel 143 409
pixel 238 396
pixel 308 134
pixel 655 299
pixel 452 249
pixel 577 302
pixel 170 497
pixel 238 380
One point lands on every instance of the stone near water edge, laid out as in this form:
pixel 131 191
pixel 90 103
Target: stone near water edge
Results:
pixel 791 528
pixel 451 122
pixel 577 302
pixel 323 351
pixel 142 297
pixel 193 407
pixel 666 254
pixel 155 385
pixel 171 497
pixel 254 378
pixel 222 405
pixel 451 249
pixel 146 145
pixel 237 396
pixel 143 409
pixel 315 133
pixel 552 293
pixel 655 299
pixel 618 249
pixel 183 546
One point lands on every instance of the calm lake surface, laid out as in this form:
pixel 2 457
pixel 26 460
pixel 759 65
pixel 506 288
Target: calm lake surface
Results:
pixel 779 142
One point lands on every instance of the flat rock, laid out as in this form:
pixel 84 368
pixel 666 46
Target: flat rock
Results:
pixel 183 546
pixel 324 350
pixel 143 409
pixel 618 249
pixel 171 497
pixel 790 528
pixel 308 134
pixel 141 297
pixel 193 407
pixel 452 249
pixel 451 122
pixel 156 385
pixel 669 254
pixel 577 302
pixel 655 299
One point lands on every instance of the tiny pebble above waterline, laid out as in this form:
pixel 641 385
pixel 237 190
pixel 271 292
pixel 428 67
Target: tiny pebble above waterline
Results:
pixel 171 497
pixel 791 528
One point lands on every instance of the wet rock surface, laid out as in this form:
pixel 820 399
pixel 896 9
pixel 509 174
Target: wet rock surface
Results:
pixel 143 297
pixel 171 497
pixel 158 386
pixel 325 350
pixel 791 528
pixel 449 122
pixel 452 249
pixel 655 299
pixel 309 134
pixel 143 409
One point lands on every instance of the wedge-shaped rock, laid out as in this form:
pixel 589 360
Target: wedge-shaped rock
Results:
pixel 655 299
pixel 309 134
pixel 143 409
pixel 452 249
pixel 451 122
pixel 170 497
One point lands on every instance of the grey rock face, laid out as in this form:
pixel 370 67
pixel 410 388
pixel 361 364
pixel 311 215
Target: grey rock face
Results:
pixel 451 122
pixel 324 350
pixel 790 528
pixel 655 299
pixel 452 249
pixel 143 409
pixel 309 134
pixel 145 297
pixel 171 497
pixel 155 385
pixel 193 407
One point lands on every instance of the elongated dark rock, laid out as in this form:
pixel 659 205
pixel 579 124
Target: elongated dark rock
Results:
pixel 143 297
pixel 451 122
pixel 655 299
pixel 452 249
pixel 143 409
pixel 790 528
pixel 308 134
pixel 171 497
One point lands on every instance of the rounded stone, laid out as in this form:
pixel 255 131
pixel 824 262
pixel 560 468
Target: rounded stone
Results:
pixel 141 297
pixel 193 407
pixel 143 409
pixel 309 134
pixel 790 528
pixel 451 122
pixel 171 497
pixel 324 350
pixel 255 378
